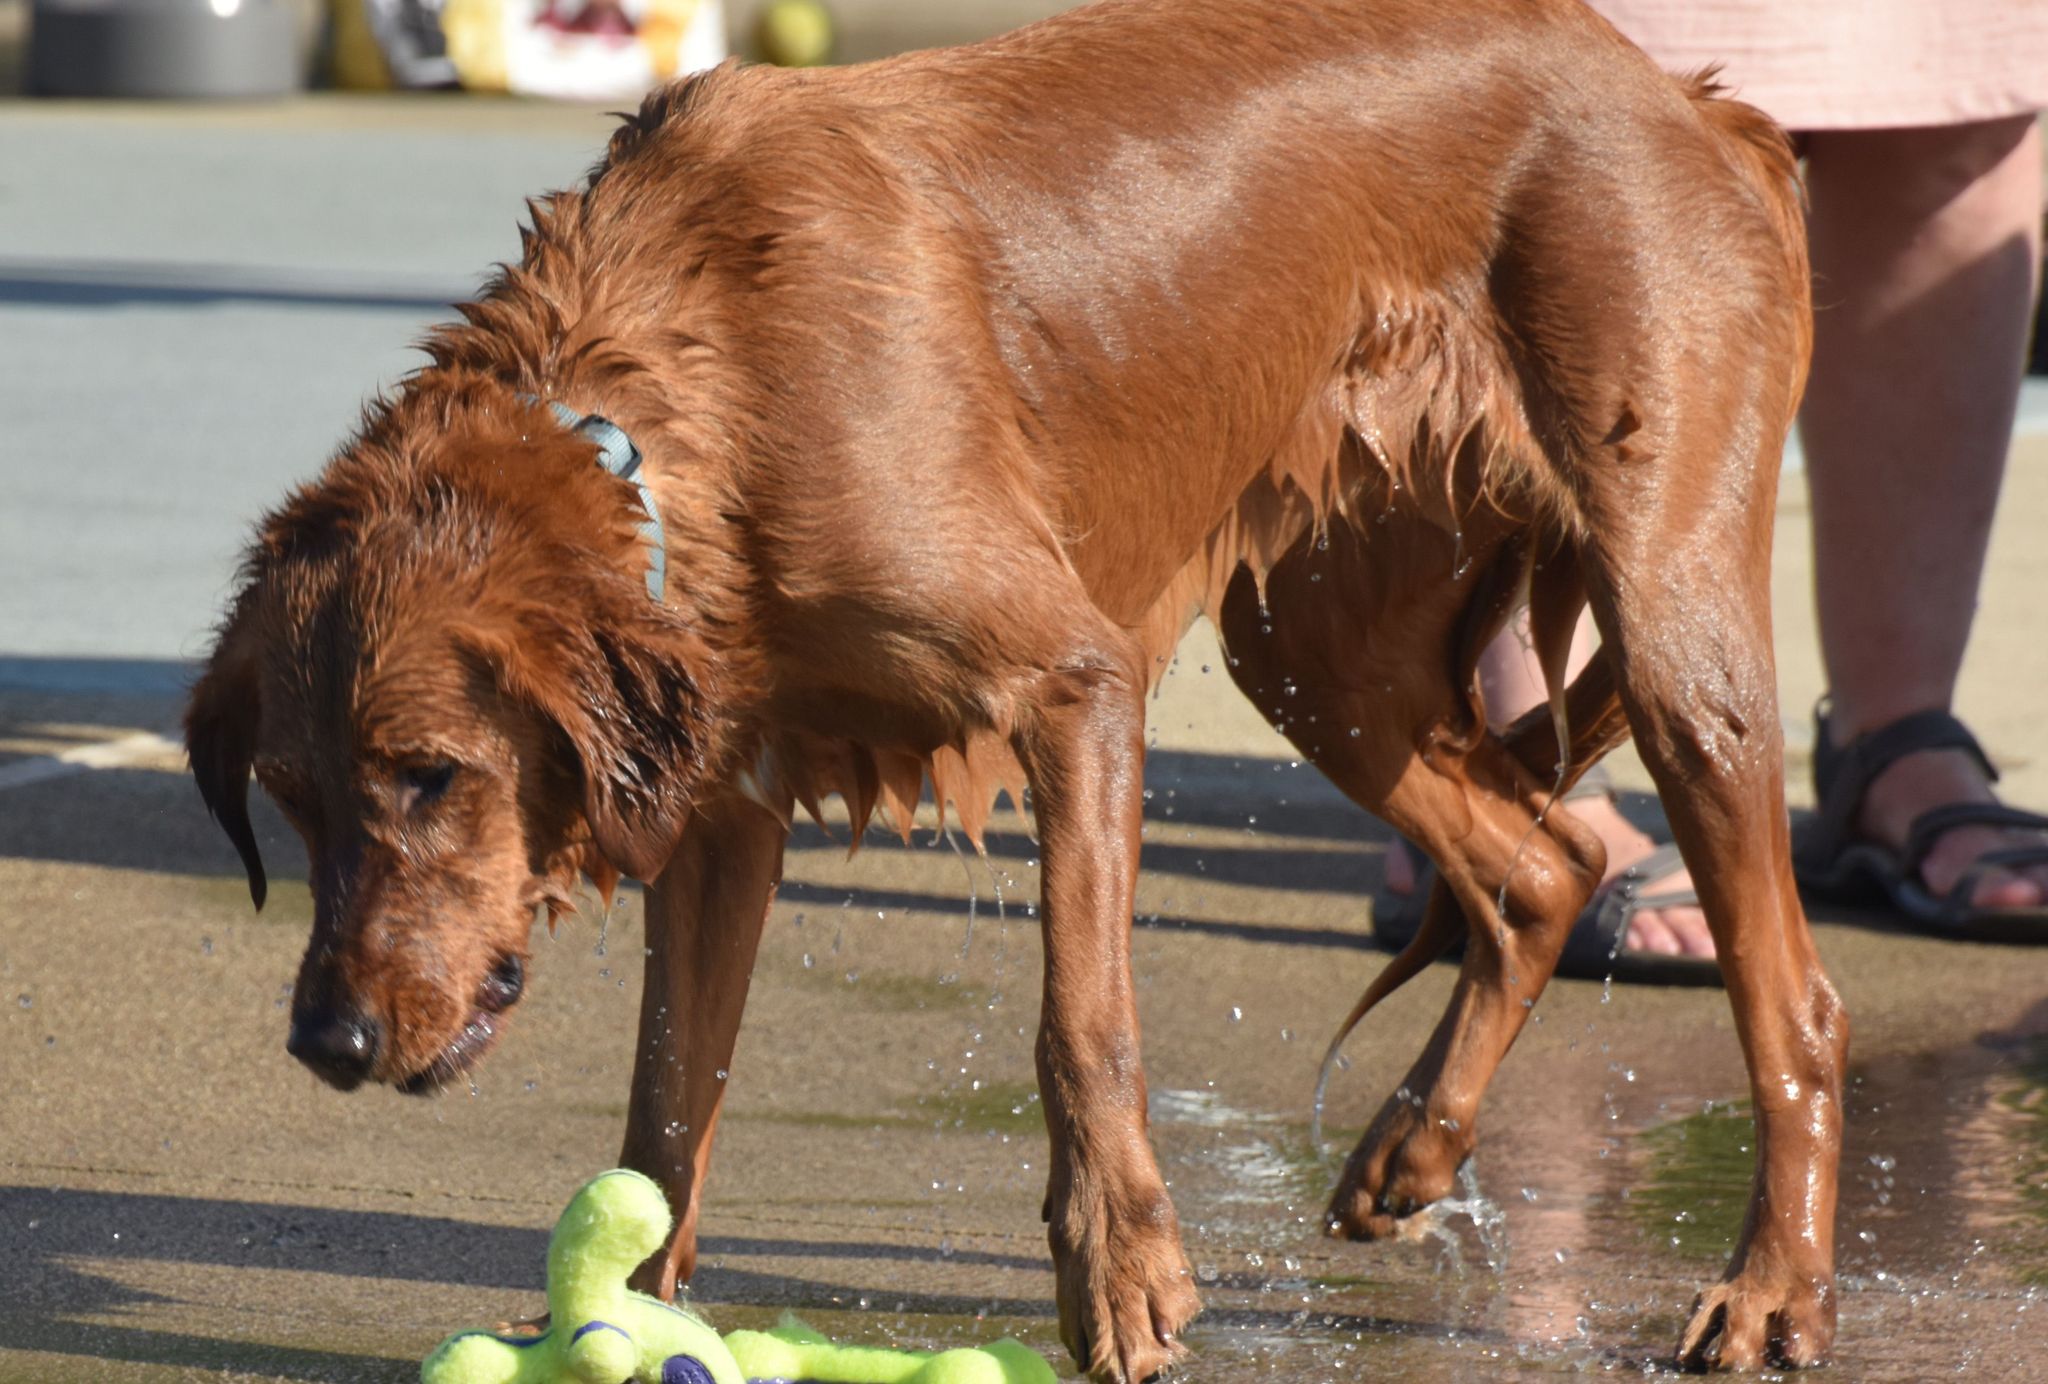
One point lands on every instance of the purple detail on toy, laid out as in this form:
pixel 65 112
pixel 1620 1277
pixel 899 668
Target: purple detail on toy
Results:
pixel 590 1326
pixel 685 1369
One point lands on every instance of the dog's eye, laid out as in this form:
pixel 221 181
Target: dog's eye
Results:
pixel 425 782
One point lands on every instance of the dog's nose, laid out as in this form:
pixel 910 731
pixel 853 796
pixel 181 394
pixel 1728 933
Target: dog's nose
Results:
pixel 340 1048
pixel 503 986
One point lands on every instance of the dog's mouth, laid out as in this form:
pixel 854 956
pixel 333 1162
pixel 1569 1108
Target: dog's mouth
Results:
pixel 499 991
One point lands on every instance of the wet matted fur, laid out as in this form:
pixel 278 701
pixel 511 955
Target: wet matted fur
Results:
pixel 965 382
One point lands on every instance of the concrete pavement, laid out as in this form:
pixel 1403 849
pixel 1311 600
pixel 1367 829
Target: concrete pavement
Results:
pixel 192 306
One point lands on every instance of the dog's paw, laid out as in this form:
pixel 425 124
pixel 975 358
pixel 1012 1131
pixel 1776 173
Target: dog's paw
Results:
pixel 1408 1160
pixel 668 1268
pixel 1758 1319
pixel 1125 1290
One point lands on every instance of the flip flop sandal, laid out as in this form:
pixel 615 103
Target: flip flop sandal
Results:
pixel 1595 949
pixel 1832 862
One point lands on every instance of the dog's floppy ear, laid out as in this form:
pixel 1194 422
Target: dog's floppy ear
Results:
pixel 619 677
pixel 220 740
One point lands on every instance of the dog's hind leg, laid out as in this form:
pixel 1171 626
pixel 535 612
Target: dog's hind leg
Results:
pixel 1355 656
pixel 1663 384
pixel 1680 588
pixel 704 920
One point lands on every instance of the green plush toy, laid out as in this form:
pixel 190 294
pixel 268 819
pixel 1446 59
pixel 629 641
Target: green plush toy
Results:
pixel 794 1352
pixel 602 1332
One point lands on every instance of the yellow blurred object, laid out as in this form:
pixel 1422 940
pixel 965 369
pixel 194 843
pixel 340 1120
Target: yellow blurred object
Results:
pixel 474 31
pixel 795 33
pixel 663 33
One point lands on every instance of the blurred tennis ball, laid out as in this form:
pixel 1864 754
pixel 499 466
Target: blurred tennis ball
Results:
pixel 794 33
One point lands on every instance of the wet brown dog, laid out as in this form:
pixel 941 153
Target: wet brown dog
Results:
pixel 964 382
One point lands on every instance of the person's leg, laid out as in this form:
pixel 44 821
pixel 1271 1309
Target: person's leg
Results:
pixel 1926 246
pixel 1512 682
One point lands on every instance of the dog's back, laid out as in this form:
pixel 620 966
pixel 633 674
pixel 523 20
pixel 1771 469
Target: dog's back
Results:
pixel 1258 255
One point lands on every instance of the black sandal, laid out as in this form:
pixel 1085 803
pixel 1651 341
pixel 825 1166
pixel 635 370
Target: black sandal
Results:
pixel 1595 950
pixel 1831 862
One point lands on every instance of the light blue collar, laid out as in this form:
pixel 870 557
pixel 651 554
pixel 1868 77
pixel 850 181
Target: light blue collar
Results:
pixel 617 454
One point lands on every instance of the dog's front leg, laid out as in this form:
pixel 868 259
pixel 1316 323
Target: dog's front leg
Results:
pixel 1123 1281
pixel 704 919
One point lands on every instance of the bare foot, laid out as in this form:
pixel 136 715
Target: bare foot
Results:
pixel 1667 931
pixel 1934 778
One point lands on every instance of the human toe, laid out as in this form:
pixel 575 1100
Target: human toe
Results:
pixel 1647 932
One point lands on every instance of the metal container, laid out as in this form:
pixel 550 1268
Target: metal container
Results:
pixel 164 48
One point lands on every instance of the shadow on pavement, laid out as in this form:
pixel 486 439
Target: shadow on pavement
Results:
pixel 30 674
pixel 41 1227
pixel 45 1231
pixel 1361 938
pixel 110 284
pixel 1288 827
pixel 140 1346
pixel 151 819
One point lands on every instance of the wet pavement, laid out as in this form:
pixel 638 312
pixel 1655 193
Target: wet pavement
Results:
pixel 179 1201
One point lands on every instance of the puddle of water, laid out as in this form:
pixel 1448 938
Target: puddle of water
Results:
pixel 1945 1173
pixel 1242 1158
pixel 1203 1108
pixel 1000 1107
pixel 1945 1160
pixel 1942 1228
pixel 1009 1108
pixel 1942 1236
pixel 1693 1187
pixel 2025 1098
pixel 898 994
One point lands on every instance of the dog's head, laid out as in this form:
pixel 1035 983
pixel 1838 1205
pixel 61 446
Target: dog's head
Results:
pixel 443 666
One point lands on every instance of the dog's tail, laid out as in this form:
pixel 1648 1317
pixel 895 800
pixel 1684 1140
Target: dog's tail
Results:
pixel 1442 923
pixel 1559 739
